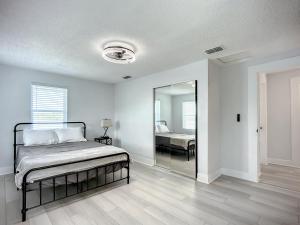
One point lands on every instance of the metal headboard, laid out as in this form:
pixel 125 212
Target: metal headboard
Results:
pixel 164 122
pixel 17 130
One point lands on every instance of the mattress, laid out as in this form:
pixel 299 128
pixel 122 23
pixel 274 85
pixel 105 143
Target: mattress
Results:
pixel 181 140
pixel 38 156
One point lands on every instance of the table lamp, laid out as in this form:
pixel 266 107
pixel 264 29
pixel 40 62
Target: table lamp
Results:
pixel 106 123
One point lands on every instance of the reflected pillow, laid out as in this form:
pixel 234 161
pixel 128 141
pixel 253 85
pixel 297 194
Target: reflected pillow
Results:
pixel 39 137
pixel 70 134
pixel 163 129
pixel 156 129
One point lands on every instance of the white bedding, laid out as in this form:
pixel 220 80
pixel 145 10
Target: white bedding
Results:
pixel 34 158
pixel 178 139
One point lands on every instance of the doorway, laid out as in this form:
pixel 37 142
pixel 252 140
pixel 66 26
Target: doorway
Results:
pixel 279 129
pixel 175 127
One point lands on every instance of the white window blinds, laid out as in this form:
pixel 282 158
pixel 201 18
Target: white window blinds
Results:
pixel 189 115
pixel 48 105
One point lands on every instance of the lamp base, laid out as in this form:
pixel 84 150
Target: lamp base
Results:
pixel 105 132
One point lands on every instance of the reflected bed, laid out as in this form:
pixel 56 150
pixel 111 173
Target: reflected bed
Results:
pixel 175 142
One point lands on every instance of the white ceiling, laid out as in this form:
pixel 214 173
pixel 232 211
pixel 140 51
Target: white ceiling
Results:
pixel 177 89
pixel 66 36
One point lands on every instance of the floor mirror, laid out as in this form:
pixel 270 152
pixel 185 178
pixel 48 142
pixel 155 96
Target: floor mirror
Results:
pixel 175 127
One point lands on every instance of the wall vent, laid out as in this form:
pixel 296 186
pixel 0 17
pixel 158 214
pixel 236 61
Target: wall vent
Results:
pixel 126 77
pixel 214 50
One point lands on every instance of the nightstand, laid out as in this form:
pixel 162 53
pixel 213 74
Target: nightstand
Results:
pixel 104 140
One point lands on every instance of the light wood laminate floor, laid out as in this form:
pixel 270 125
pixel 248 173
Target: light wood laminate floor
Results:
pixel 158 197
pixel 281 176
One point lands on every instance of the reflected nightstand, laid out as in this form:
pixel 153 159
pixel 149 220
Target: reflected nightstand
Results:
pixel 104 140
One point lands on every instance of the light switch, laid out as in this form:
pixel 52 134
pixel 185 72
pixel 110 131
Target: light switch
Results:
pixel 238 117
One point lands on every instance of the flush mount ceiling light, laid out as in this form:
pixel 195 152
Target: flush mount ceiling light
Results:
pixel 118 52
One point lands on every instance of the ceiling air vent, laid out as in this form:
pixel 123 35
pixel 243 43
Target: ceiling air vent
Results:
pixel 127 77
pixel 237 57
pixel 214 50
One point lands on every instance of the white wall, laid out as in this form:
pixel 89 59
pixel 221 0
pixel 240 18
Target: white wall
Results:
pixel 177 101
pixel 134 112
pixel 279 115
pixel 214 120
pixel 233 101
pixel 239 95
pixel 165 108
pixel 88 101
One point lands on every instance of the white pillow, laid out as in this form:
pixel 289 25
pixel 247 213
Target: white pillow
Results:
pixel 70 134
pixel 163 129
pixel 156 129
pixel 39 137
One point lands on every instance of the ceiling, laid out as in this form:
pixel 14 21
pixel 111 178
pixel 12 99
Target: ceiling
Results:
pixel 177 89
pixel 66 37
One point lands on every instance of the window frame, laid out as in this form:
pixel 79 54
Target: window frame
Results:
pixel 65 111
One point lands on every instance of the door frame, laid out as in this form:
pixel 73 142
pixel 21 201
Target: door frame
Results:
pixel 263 122
pixel 253 112
pixel 196 129
pixel 294 110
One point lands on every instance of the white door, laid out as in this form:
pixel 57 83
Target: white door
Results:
pixel 262 126
pixel 295 121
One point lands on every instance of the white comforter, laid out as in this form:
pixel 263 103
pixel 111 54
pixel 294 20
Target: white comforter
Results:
pixel 32 161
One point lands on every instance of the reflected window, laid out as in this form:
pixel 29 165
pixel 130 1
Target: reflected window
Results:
pixel 189 115
pixel 157 110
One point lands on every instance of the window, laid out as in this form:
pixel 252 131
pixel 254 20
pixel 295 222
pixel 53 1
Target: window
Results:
pixel 157 110
pixel 189 115
pixel 48 105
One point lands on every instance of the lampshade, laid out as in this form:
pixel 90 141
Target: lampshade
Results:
pixel 105 123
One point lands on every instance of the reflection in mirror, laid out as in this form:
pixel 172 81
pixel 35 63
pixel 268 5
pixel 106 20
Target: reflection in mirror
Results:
pixel 175 127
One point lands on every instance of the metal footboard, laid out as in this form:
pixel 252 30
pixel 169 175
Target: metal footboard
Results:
pixel 101 171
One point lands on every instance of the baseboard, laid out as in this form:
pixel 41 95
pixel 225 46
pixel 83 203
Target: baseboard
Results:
pixel 203 178
pixel 6 170
pixel 282 162
pixel 238 174
pixel 142 159
pixel 259 173
pixel 208 178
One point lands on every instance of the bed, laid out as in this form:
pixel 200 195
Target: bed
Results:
pixel 60 170
pixel 174 142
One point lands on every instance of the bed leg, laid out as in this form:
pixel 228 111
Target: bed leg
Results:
pixel 23 215
pixel 128 177
pixel 24 202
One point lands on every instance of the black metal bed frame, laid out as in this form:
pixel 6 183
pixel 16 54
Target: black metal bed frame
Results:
pixel 161 122
pixel 109 168
pixel 190 148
